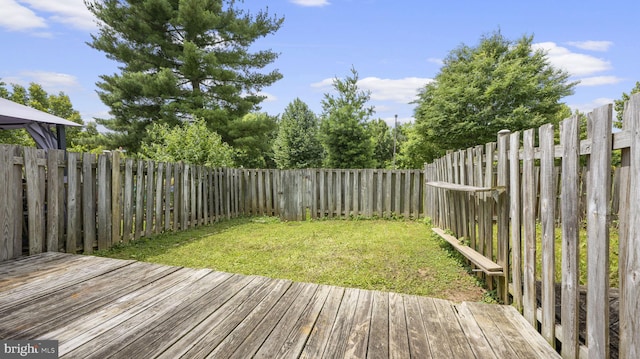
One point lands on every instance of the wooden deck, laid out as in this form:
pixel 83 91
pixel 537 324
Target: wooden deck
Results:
pixel 107 308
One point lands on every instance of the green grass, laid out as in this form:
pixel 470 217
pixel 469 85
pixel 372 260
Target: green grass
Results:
pixel 397 256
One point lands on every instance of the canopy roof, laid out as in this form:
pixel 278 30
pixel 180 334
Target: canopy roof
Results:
pixel 37 123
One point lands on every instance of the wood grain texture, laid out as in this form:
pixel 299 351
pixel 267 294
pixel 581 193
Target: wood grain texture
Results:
pixel 107 308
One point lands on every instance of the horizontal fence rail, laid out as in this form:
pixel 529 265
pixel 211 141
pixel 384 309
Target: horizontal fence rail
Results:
pixel 563 199
pixel 72 202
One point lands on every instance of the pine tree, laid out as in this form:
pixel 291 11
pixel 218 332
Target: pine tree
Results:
pixel 345 138
pixel 297 144
pixel 179 60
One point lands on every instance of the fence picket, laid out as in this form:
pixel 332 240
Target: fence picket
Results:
pixel 598 233
pixel 88 201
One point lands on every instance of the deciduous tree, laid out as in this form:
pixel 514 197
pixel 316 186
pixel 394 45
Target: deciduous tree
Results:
pixel 498 84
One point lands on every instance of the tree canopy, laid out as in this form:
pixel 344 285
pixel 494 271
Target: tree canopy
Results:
pixel 192 143
pixel 297 144
pixel 498 84
pixel 343 132
pixel 179 60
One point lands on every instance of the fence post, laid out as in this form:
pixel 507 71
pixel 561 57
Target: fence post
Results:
pixel 630 278
pixel 503 214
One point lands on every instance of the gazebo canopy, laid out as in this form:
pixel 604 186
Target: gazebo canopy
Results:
pixel 39 124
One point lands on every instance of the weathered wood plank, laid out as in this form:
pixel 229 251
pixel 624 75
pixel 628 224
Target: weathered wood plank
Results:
pixel 358 338
pixel 271 335
pixel 116 197
pixel 35 205
pixel 379 333
pixel 73 204
pixel 502 210
pixel 128 212
pixel 569 133
pixel 454 334
pixel 88 202
pixel 598 196
pixel 548 205
pixel 514 213
pixel 54 186
pixel 319 337
pixel 629 278
pixel 419 346
pixel 529 228
pixel 230 310
pixel 159 199
pixel 7 213
pixel 484 263
pixel 139 200
pixel 398 332
pixel 164 332
pixel 150 195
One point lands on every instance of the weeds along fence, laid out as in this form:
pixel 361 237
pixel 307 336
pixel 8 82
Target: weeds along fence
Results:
pixel 544 263
pixel 74 202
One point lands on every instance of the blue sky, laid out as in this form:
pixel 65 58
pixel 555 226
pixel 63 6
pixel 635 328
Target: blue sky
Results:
pixel 396 46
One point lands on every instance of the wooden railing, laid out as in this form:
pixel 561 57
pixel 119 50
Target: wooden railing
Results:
pixel 474 217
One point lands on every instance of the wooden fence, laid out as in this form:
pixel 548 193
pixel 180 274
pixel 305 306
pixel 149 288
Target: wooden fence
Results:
pixel 510 165
pixel 85 202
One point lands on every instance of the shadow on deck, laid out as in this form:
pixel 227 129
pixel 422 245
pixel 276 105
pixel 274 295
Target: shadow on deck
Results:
pixel 109 308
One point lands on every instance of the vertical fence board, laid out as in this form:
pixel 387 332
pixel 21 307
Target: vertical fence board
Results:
pixel 8 216
pixel 570 236
pixel 159 195
pixel 630 275
pixel 128 212
pixel 529 228
pixel 598 197
pixel 73 203
pixel 139 204
pixel 547 200
pixel 35 207
pixel 168 191
pixel 53 206
pixel 104 202
pixel 116 197
pixel 503 214
pixel 514 209
pixel 88 202
pixel 150 195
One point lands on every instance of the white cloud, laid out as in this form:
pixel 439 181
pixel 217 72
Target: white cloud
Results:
pixel 435 60
pixel 591 45
pixel 51 82
pixel 269 97
pixel 401 90
pixel 36 14
pixel 576 64
pixel 599 80
pixel 397 90
pixel 311 2
pixel 326 83
pixel 16 17
pixel 588 107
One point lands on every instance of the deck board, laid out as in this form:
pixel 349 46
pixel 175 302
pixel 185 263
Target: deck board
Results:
pixel 106 308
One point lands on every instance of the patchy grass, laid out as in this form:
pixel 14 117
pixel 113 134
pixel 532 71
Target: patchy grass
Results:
pixel 397 256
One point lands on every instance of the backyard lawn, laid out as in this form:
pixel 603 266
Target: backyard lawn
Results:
pixel 396 256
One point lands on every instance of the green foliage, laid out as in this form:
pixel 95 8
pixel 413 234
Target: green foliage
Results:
pixel 252 138
pixel 191 143
pixel 498 84
pixel 382 138
pixel 180 59
pixel 619 105
pixel 343 132
pixel 297 144
pixel 415 151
